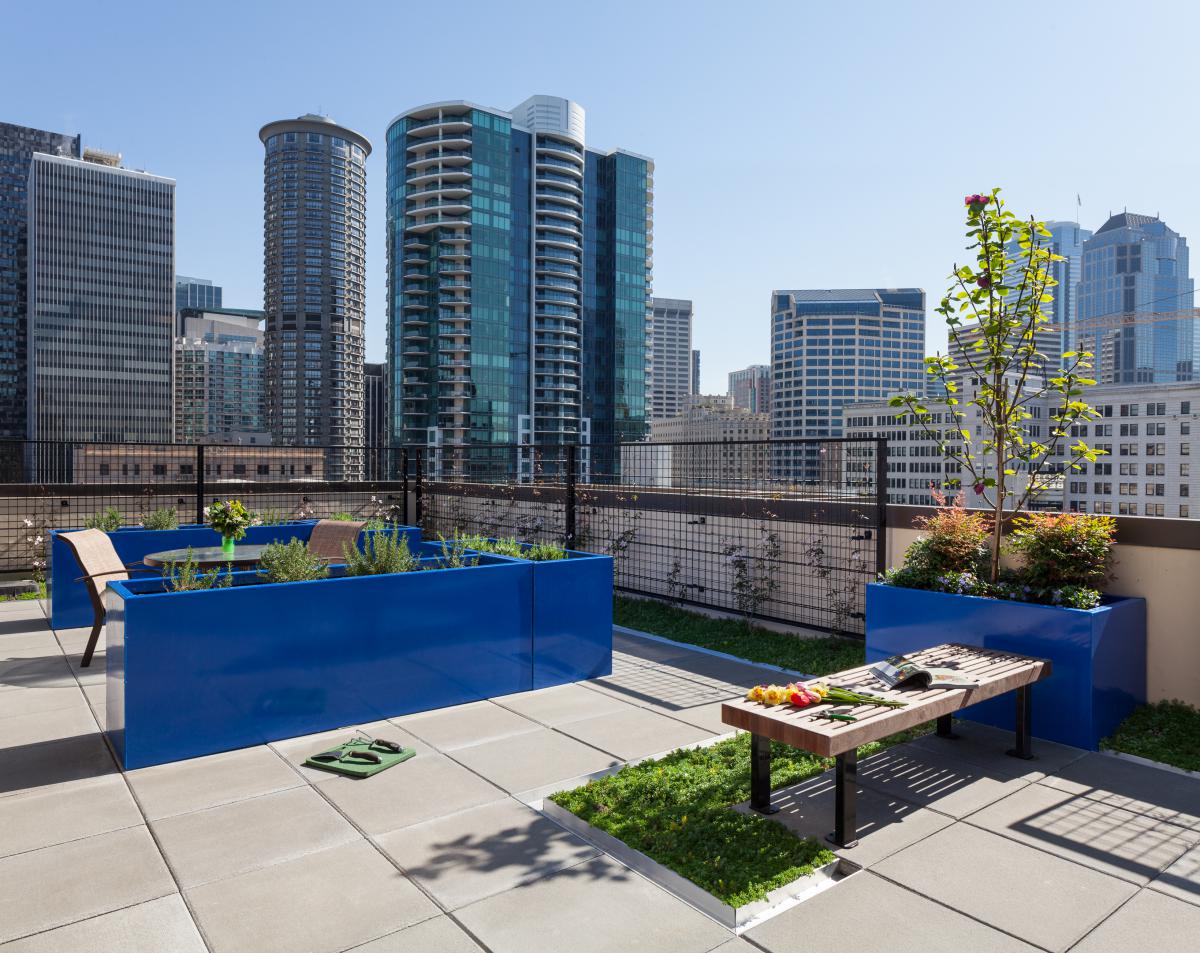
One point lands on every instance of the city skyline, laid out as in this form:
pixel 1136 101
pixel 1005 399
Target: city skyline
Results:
pixel 859 201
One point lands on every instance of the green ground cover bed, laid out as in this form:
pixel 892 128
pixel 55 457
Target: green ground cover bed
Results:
pixel 677 810
pixel 1165 731
pixel 813 656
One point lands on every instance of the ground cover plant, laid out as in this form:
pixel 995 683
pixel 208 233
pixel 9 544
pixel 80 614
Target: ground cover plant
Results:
pixel 1166 731
pixel 812 656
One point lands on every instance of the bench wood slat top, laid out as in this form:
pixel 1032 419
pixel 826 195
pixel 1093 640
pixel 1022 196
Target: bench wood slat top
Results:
pixel 997 672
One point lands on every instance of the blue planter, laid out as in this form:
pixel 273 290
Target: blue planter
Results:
pixel 194 673
pixel 1099 655
pixel 572 617
pixel 70 606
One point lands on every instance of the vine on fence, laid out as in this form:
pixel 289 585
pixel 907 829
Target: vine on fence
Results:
pixel 754 582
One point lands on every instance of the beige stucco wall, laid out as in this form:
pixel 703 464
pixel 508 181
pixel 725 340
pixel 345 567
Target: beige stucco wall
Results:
pixel 1169 581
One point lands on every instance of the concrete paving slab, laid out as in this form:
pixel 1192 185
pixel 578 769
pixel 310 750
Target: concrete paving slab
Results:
pixel 53 815
pixel 20 624
pixel 561 705
pixel 45 726
pixel 320 903
pixel 58 885
pixel 885 825
pixel 158 926
pixel 987 746
pixel 533 760
pixel 947 784
pixel 634 733
pixel 31 700
pixel 1150 921
pixel 439 935
pixel 594 907
pixel 48 671
pixel 44 764
pixel 482 851
pixel 874 916
pixel 1182 879
pixel 28 645
pixel 234 838
pixel 95 673
pixel 706 716
pixel 297 750
pixel 420 789
pixel 661 686
pixel 1163 795
pixel 1029 893
pixel 462 725
pixel 184 786
pixel 1117 842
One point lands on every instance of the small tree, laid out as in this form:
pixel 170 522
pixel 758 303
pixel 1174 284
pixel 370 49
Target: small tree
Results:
pixel 992 312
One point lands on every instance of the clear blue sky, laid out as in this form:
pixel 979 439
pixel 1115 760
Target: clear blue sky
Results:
pixel 796 144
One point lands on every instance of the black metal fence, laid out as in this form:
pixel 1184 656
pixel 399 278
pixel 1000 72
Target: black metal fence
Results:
pixel 782 530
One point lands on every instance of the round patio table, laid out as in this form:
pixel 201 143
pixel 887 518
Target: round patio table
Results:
pixel 247 555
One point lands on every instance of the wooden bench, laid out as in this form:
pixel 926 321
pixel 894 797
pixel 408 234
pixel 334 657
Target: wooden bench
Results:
pixel 997 672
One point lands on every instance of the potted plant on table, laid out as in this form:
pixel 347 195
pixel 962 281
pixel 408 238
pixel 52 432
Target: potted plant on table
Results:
pixel 229 518
pixel 1013 421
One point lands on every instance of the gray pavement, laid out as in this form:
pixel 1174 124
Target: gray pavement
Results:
pixel 961 847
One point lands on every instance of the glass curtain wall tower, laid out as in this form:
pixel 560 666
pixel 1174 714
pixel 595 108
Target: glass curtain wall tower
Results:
pixel 314 227
pixel 518 280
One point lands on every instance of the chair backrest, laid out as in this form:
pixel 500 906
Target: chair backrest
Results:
pixel 328 537
pixel 97 558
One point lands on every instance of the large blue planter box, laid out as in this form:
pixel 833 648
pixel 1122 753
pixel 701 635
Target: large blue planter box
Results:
pixel 70 606
pixel 1099 655
pixel 572 617
pixel 194 673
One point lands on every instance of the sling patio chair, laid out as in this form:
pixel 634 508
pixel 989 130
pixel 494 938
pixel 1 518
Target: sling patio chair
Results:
pixel 100 564
pixel 329 536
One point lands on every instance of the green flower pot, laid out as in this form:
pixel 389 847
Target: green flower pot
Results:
pixel 227 543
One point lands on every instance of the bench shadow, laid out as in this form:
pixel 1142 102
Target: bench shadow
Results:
pixel 43 763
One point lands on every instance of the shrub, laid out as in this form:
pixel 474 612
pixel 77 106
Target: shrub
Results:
pixel 1061 550
pixel 187 576
pixel 165 517
pixel 291 562
pixel 542 552
pixel 343 516
pixel 271 517
pixel 537 552
pixel 955 543
pixel 110 520
pixel 454 553
pixel 383 553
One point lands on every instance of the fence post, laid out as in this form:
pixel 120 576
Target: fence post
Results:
pixel 404 485
pixel 420 481
pixel 881 498
pixel 569 542
pixel 199 483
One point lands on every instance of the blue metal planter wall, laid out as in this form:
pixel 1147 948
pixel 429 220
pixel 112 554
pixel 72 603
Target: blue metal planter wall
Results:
pixel 194 673
pixel 1099 655
pixel 572 618
pixel 70 606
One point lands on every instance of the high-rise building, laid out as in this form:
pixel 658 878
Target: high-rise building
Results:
pixel 834 347
pixel 101 296
pixel 709 443
pixel 519 265
pixel 1135 303
pixel 1067 240
pixel 695 371
pixel 751 388
pixel 219 374
pixel 375 399
pixel 17 146
pixel 668 357
pixel 196 293
pixel 314 227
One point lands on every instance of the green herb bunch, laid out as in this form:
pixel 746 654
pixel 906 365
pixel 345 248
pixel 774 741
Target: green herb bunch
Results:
pixel 291 562
pixel 187 576
pixel 109 520
pixel 382 552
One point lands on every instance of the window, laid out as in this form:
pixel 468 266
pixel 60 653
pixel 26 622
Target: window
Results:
pixel 1184 510
pixel 1185 407
pixel 1184 489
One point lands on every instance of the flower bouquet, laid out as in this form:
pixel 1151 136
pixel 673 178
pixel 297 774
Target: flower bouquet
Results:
pixel 818 693
pixel 229 518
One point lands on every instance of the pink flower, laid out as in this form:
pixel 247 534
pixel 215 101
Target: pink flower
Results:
pixel 979 489
pixel 976 201
pixel 984 280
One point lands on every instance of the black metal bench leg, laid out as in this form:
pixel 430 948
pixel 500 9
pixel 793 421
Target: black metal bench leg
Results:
pixel 1024 746
pixel 845 794
pixel 760 774
pixel 944 729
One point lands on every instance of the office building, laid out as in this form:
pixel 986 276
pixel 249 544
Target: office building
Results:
pixel 710 443
pixel 696 372
pixel 17 146
pixel 219 375
pixel 101 302
pixel 668 357
pixel 1135 303
pixel 196 293
pixel 750 388
pixel 834 347
pixel 314 228
pixel 519 264
pixel 375 400
pixel 1148 431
